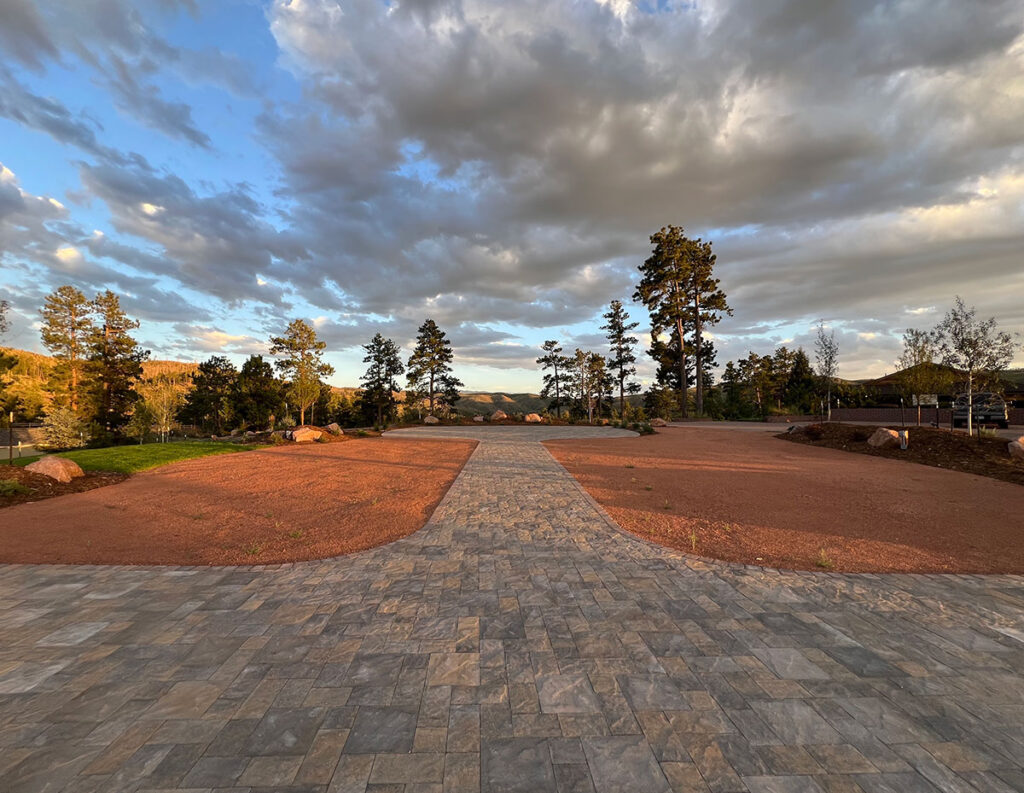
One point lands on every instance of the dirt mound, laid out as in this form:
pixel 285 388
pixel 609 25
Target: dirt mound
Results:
pixel 954 451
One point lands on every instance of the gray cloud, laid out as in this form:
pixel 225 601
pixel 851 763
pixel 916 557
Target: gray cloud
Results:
pixel 505 163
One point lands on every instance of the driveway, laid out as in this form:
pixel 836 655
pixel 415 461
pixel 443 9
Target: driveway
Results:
pixel 519 642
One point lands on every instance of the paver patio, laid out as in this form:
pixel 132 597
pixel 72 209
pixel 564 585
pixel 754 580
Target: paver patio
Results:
pixel 519 642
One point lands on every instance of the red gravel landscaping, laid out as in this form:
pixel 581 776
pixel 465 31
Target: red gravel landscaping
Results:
pixel 272 505
pixel 746 496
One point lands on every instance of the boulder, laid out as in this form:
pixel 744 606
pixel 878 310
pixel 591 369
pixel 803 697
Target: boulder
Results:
pixel 59 468
pixel 250 434
pixel 1016 449
pixel 533 418
pixel 883 437
pixel 305 435
pixel 499 415
pixel 478 418
pixel 659 423
pixel 334 429
pixel 431 420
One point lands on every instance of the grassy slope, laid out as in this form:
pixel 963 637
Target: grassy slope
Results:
pixel 132 459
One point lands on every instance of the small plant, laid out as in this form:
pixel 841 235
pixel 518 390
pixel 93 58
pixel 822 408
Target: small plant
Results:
pixel 630 465
pixel 666 505
pixel 823 561
pixel 693 541
pixel 254 550
pixel 648 487
pixel 198 516
pixel 295 535
pixel 12 487
pixel 987 433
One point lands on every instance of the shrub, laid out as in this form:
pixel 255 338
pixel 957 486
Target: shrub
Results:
pixel 62 429
pixel 12 487
pixel 286 423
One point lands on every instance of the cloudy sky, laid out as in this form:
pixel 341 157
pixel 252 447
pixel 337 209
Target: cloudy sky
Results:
pixel 497 166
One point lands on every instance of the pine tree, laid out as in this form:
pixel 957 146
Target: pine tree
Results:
pixel 257 396
pixel 707 307
pixel 429 372
pixel 379 386
pixel 302 363
pixel 115 361
pixel 67 329
pixel 209 403
pixel 622 361
pixel 553 381
pixel 664 290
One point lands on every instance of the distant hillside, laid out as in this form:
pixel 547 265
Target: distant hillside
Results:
pixel 25 386
pixel 477 403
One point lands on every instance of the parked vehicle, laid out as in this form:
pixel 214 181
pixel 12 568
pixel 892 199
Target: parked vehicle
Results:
pixel 987 408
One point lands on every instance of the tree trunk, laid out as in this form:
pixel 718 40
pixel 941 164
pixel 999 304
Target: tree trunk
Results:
pixel 970 402
pixel 431 393
pixel 302 415
pixel 622 399
pixel 698 353
pixel 558 395
pixel 683 371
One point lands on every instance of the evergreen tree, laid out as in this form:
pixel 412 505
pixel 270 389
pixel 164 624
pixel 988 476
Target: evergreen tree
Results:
pixel 302 363
pixel 63 429
pixel 622 361
pixel 209 403
pixel 115 361
pixel 602 384
pixel 257 396
pixel 379 386
pixel 67 331
pixel 664 289
pixel 708 304
pixel 7 362
pixel 553 380
pixel 800 383
pixel 429 372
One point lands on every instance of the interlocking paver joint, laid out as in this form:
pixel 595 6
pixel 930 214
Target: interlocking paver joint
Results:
pixel 517 643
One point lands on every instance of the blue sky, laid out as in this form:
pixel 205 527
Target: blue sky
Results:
pixel 228 166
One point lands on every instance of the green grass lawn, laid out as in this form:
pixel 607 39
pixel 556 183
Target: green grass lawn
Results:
pixel 132 459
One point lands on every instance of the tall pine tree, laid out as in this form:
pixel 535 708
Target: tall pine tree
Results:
pixel 707 302
pixel 430 372
pixel 553 381
pixel 664 290
pixel 302 363
pixel 622 361
pixel 379 386
pixel 115 361
pixel 67 330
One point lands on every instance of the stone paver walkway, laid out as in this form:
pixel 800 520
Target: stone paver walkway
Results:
pixel 519 642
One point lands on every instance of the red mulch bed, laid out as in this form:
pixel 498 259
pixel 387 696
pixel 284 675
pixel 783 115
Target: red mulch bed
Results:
pixel 744 496
pixel 281 504
pixel 954 451
pixel 40 487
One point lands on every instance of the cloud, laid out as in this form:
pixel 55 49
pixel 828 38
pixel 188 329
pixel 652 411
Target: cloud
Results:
pixel 503 164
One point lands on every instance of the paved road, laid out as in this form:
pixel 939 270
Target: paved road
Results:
pixel 519 642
